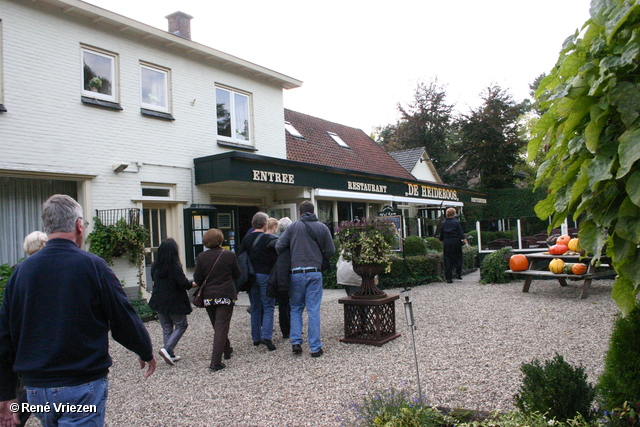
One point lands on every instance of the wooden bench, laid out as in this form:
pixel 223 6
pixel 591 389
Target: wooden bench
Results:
pixel 604 270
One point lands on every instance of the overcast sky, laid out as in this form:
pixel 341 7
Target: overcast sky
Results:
pixel 359 59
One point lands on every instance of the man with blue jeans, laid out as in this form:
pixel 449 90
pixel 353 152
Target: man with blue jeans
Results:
pixel 59 306
pixel 310 242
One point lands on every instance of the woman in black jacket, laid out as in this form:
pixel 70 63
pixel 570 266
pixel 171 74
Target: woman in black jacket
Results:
pixel 169 297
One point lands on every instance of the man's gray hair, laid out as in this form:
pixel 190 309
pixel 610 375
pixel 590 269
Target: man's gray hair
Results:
pixel 283 224
pixel 259 220
pixel 60 213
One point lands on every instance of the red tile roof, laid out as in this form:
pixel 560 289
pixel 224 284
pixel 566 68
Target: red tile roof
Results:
pixel 319 148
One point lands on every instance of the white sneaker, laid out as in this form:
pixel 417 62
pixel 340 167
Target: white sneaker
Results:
pixel 176 358
pixel 166 356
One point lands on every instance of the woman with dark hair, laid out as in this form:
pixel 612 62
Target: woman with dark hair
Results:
pixel 216 270
pixel 169 297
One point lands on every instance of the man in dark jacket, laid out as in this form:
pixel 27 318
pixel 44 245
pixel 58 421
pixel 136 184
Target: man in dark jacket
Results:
pixel 310 242
pixel 452 236
pixel 58 308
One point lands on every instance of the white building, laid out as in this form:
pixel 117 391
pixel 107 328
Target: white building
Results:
pixel 126 117
pixel 84 90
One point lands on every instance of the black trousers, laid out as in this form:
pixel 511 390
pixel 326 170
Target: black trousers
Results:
pixel 452 252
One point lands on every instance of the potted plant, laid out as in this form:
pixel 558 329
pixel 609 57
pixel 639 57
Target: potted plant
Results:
pixel 367 244
pixel 114 241
pixel 94 84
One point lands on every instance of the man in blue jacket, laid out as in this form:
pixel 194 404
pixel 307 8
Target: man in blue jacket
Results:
pixel 57 310
pixel 310 242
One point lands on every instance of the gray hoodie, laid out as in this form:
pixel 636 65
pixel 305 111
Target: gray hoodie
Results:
pixel 305 252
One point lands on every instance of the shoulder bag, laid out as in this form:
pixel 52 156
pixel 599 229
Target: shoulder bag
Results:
pixel 325 261
pixel 198 301
pixel 247 272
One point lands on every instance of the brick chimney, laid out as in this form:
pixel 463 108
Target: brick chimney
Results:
pixel 180 25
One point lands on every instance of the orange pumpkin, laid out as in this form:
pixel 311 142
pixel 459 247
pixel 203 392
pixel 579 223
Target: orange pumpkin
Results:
pixel 556 266
pixel 573 245
pixel 563 240
pixel 579 269
pixel 558 249
pixel 518 262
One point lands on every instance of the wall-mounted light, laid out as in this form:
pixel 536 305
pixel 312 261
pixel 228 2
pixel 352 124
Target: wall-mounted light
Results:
pixel 424 160
pixel 119 167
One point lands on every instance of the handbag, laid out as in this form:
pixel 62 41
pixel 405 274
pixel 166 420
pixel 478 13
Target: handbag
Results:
pixel 325 261
pixel 247 272
pixel 198 301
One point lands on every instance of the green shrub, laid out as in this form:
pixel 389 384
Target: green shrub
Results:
pixel 469 257
pixel 395 408
pixel 414 245
pixel 620 381
pixel 434 244
pixel 5 272
pixel 142 308
pixel 494 265
pixel 557 389
pixel 411 271
pixel 329 279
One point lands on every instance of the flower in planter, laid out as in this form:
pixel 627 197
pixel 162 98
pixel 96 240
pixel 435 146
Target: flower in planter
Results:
pixel 367 241
pixel 95 82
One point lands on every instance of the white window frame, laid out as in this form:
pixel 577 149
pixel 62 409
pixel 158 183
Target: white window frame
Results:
pixel 233 138
pixel 165 108
pixel 170 187
pixel 114 72
pixel 338 140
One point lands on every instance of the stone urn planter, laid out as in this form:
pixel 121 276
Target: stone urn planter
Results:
pixel 368 288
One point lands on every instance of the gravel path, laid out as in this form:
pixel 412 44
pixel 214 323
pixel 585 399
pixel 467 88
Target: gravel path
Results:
pixel 471 340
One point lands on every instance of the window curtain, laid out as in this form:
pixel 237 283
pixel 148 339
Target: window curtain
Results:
pixel 21 209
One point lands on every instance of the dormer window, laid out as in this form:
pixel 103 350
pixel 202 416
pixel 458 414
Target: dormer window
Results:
pixel 293 131
pixel 337 139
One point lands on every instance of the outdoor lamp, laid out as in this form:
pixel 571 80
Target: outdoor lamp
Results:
pixel 408 311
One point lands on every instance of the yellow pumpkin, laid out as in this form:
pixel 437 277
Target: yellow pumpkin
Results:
pixel 556 266
pixel 573 244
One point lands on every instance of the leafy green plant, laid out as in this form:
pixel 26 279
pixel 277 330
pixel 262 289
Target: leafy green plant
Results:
pixel 414 245
pixel 520 419
pixel 114 241
pixel 494 265
pixel 397 408
pixel 368 241
pixel 591 133
pixel 469 257
pixel 411 271
pixel 329 279
pixel 5 273
pixel 628 415
pixel 434 243
pixel 620 381
pixel 556 389
pixel 142 308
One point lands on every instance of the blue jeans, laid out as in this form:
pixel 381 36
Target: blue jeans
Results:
pixel 92 394
pixel 262 309
pixel 306 291
pixel 173 327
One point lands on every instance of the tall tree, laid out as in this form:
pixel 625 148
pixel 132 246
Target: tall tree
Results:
pixel 488 137
pixel 426 122
pixel 592 128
